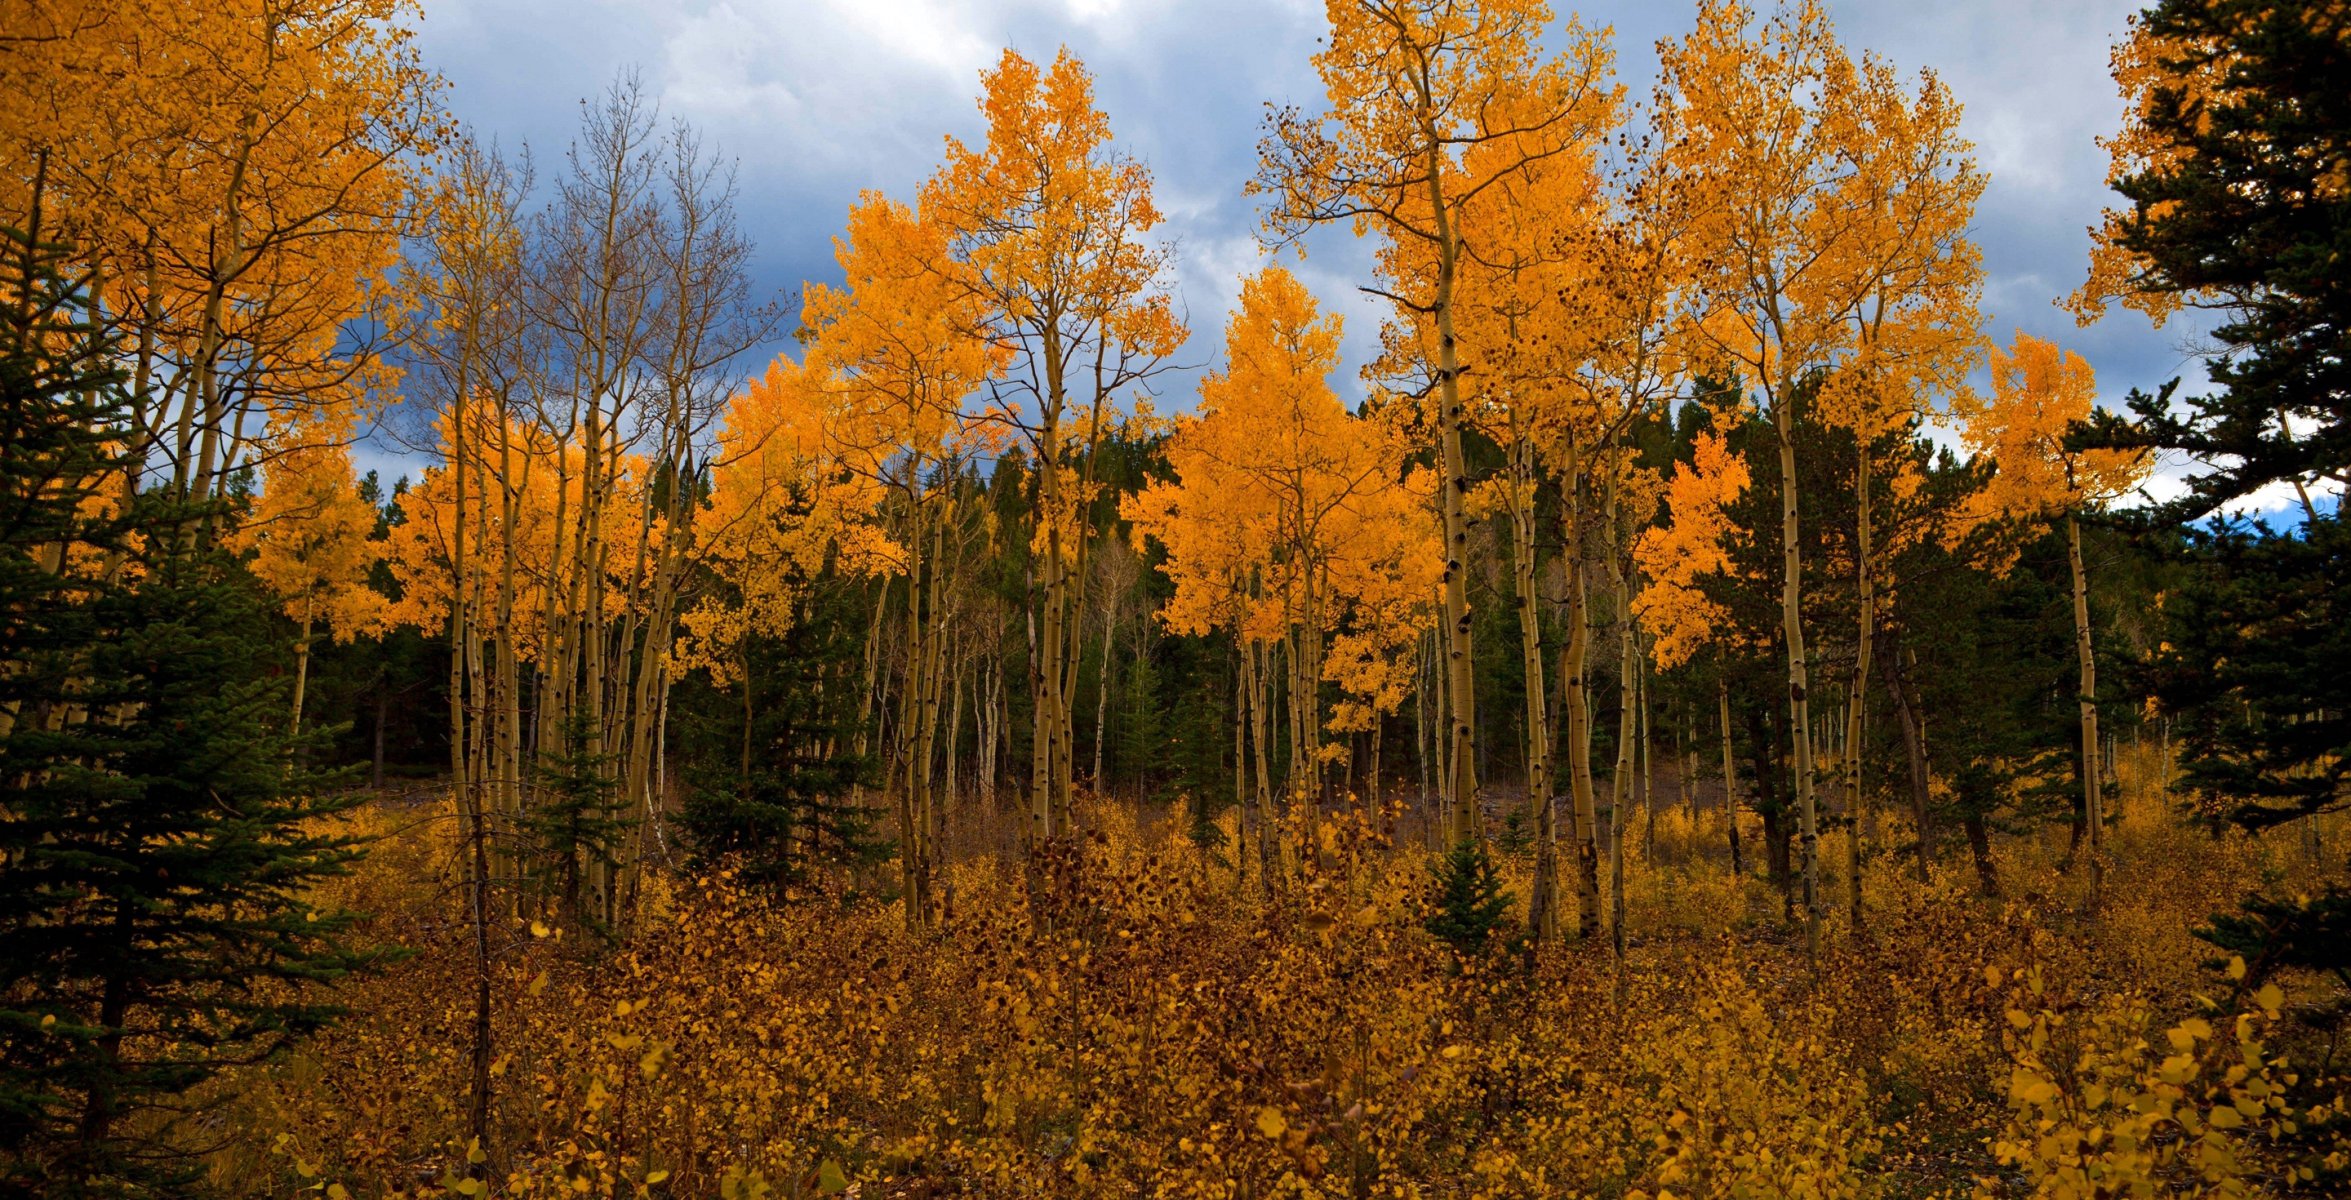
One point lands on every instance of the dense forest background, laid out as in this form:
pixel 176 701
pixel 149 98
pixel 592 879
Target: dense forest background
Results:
pixel 1715 718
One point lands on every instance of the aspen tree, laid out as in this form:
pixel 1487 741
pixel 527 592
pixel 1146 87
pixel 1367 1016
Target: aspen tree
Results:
pixel 2039 392
pixel 1630 502
pixel 1050 223
pixel 1913 188
pixel 1276 484
pixel 311 539
pixel 241 219
pixel 443 547
pixel 1529 317
pixel 902 348
pixel 1753 129
pixel 462 340
pixel 1730 772
pixel 1432 103
pixel 709 316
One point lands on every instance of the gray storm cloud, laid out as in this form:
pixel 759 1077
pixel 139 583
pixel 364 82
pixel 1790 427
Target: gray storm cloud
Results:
pixel 817 99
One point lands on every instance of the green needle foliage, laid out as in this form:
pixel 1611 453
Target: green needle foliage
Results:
pixel 156 836
pixel 1470 908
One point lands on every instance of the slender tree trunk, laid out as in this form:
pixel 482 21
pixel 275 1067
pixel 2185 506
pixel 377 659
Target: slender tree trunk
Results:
pixel 1260 730
pixel 302 665
pixel 2093 819
pixel 1048 726
pixel 1102 689
pixel 1544 907
pixel 1620 781
pixel 1460 661
pixel 1575 663
pixel 1420 717
pixel 948 796
pixel 1730 775
pixel 991 727
pixel 1915 750
pixel 1799 700
pixel 1857 688
pixel 1620 784
pixel 1441 828
pixel 1648 748
pixel 1242 808
pixel 469 797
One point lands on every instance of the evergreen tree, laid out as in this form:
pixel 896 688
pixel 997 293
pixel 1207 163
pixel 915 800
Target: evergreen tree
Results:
pixel 1140 731
pixel 769 769
pixel 156 838
pixel 578 821
pixel 2232 168
pixel 1469 907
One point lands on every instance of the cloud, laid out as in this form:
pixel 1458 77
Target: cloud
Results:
pixel 817 99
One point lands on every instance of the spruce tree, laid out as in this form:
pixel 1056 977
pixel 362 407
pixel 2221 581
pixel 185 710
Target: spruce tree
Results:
pixel 2238 205
pixel 1469 908
pixel 769 768
pixel 578 820
pixel 156 838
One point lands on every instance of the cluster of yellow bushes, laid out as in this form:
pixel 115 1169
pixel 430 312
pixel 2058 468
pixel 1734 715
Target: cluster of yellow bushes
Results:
pixel 1120 1018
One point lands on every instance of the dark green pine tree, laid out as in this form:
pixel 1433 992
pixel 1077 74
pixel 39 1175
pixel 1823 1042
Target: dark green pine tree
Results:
pixel 1469 908
pixel 156 837
pixel 769 770
pixel 1141 745
pixel 2247 212
pixel 577 822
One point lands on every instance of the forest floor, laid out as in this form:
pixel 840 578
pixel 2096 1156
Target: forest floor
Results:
pixel 1125 1017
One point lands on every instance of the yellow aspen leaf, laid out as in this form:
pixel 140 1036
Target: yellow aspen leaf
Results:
pixel 1271 1122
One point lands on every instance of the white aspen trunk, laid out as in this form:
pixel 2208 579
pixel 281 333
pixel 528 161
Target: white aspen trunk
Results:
pixel 1260 729
pixel 1102 689
pixel 1575 663
pixel 1627 732
pixel 947 791
pixel 302 664
pixel 1544 907
pixel 1420 715
pixel 1460 659
pixel 1799 701
pixel 1648 750
pixel 1857 690
pixel 2093 818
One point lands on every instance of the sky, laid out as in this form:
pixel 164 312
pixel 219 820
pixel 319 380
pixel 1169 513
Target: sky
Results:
pixel 815 100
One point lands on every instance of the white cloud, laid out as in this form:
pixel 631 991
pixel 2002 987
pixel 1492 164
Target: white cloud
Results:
pixel 820 98
pixel 830 89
